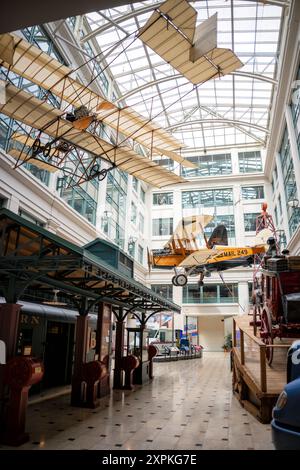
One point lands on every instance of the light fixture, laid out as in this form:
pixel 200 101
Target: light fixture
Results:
pixel 131 321
pixel 132 240
pixel 107 214
pixel 55 301
pixel 293 203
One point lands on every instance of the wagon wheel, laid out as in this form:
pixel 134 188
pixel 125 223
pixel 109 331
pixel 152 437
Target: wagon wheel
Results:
pixel 267 334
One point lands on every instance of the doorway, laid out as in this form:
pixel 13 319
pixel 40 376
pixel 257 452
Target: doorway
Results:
pixel 58 354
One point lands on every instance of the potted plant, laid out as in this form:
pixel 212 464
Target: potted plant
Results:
pixel 227 346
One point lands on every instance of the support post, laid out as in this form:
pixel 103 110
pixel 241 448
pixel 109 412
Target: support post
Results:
pixel 263 370
pixel 81 341
pixel 242 347
pixel 103 348
pixel 119 348
pixel 9 326
pixel 234 333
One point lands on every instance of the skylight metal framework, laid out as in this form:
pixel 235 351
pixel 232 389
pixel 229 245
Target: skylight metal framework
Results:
pixel 152 87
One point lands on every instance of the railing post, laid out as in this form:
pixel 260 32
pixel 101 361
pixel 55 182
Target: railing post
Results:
pixel 242 347
pixel 234 333
pixel 263 370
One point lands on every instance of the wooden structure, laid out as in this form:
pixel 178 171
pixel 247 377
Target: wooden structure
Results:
pixel 278 300
pixel 256 384
pixel 67 132
pixel 192 50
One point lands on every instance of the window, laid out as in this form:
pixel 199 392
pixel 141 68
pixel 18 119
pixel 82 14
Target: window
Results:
pixel 250 292
pixel 250 221
pixel 30 218
pixel 131 249
pixel 289 181
pixel 133 213
pixel 81 201
pixel 209 165
pixel 250 162
pixel 3 202
pixel 162 199
pixel 279 205
pixel 276 215
pixel 143 195
pixel 227 220
pixel 140 254
pixel 162 227
pixel 166 290
pixel 273 184
pixel 295 103
pixel 167 163
pixel 210 293
pixel 135 183
pixel 42 175
pixel 209 197
pixel 253 192
pixel 141 223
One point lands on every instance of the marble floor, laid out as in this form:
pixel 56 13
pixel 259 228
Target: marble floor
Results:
pixel 188 405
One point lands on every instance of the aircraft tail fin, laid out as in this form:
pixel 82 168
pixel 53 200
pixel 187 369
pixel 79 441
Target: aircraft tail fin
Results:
pixel 218 237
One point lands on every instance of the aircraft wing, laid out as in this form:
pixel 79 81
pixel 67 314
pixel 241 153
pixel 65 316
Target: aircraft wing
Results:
pixel 231 252
pixel 220 253
pixel 190 227
pixel 40 115
pixel 30 62
pixel 171 33
pixel 198 258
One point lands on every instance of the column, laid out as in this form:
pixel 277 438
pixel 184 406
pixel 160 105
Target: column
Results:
pixel 119 348
pixel 9 325
pixel 103 348
pixel 293 146
pixel 243 293
pixel 283 196
pixel 238 215
pixel 81 342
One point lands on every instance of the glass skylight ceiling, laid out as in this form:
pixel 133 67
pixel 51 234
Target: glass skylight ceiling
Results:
pixel 211 115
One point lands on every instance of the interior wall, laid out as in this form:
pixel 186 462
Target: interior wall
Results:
pixel 211 332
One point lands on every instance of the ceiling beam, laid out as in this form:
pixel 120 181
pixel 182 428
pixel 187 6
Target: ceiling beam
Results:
pixel 254 76
pixel 218 121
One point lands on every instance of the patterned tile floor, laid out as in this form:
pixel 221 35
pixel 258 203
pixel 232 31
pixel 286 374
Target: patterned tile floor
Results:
pixel 188 405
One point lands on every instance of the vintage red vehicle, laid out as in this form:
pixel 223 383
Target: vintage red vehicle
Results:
pixel 277 300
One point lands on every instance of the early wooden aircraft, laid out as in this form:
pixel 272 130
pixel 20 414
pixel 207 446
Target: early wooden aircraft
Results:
pixel 72 128
pixel 192 50
pixel 183 253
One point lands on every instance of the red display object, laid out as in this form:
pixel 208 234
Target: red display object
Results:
pixel 128 364
pixel 92 373
pixel 20 373
pixel 152 351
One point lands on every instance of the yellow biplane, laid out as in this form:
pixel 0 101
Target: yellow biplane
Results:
pixel 182 251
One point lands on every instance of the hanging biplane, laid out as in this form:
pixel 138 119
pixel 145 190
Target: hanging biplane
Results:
pixel 183 254
pixel 192 50
pixel 65 130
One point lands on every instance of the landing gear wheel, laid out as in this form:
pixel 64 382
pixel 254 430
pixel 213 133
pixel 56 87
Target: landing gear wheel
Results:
pixel 181 280
pixel 267 334
pixel 47 150
pixel 173 280
pixel 200 283
pixel 36 147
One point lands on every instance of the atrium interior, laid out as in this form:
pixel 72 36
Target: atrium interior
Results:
pixel 150 225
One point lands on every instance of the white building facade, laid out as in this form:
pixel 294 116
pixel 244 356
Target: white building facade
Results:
pixel 231 184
